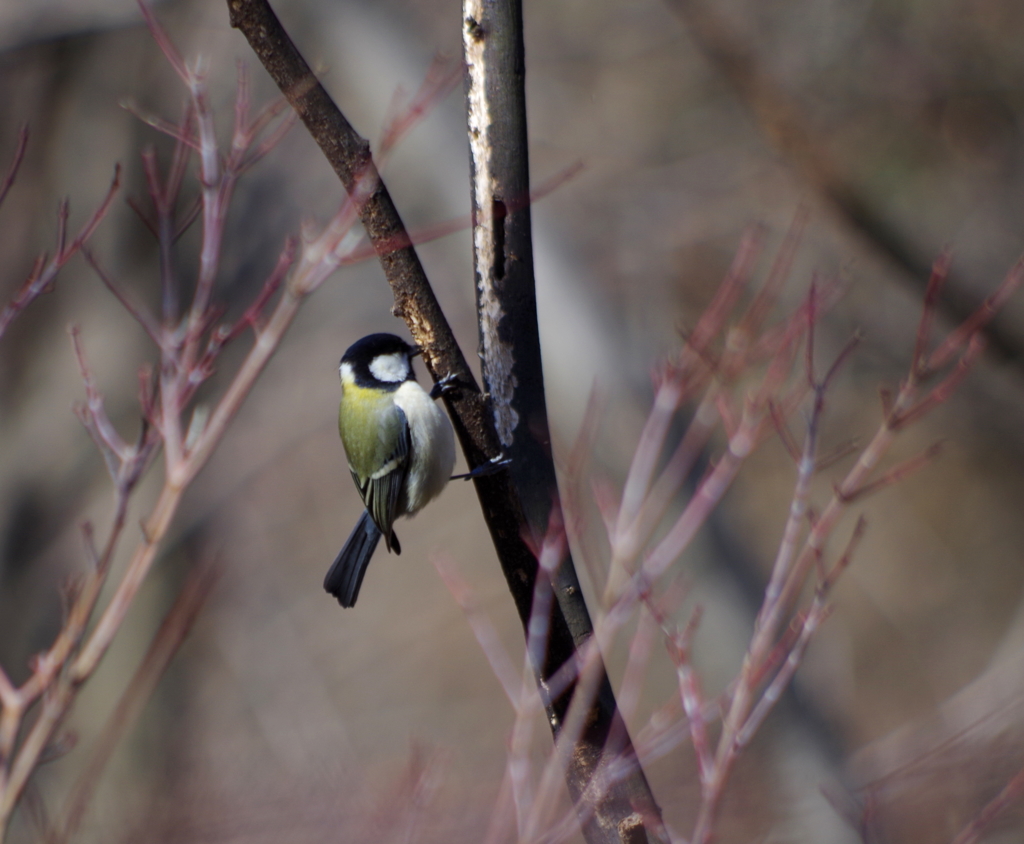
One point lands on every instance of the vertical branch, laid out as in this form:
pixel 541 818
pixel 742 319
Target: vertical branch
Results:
pixel 216 193
pixel 508 506
pixel 494 55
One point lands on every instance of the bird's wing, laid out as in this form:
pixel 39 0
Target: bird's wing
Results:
pixel 382 489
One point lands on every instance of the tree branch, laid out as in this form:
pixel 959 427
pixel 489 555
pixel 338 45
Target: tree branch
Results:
pixel 494 54
pixel 515 503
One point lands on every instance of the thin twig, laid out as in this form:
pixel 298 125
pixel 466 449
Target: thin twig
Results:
pixel 1010 793
pixel 44 272
pixel 168 639
pixel 12 170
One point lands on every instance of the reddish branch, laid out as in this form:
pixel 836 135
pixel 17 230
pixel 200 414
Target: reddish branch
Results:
pixel 188 338
pixel 45 269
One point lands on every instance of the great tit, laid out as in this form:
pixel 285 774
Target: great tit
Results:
pixel 400 449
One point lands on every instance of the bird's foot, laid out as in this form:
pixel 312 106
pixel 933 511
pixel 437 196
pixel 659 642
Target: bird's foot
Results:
pixel 491 467
pixel 446 385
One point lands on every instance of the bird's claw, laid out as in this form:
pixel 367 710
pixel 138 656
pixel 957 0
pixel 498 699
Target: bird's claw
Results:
pixel 444 386
pixel 491 467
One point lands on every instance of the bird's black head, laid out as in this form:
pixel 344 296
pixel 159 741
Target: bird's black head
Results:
pixel 379 360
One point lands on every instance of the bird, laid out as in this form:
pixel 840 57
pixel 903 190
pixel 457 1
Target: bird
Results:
pixel 399 445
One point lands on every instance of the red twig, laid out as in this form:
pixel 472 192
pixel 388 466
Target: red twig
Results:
pixel 944 389
pixel 164 43
pixel 141 315
pixel 168 639
pixel 1011 793
pixel 690 692
pixel 44 272
pixel 767 296
pixel 940 270
pixel 968 333
pixel 441 78
pixel 16 159
pixel 892 476
pixel 166 393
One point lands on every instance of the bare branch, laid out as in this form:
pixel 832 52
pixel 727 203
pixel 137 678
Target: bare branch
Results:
pixel 770 696
pixel 164 43
pixel 1010 794
pixel 939 394
pixel 94 417
pixel 141 315
pixel 690 692
pixel 44 272
pixel 894 475
pixel 967 334
pixel 440 80
pixel 168 639
pixel 16 159
pixel 937 280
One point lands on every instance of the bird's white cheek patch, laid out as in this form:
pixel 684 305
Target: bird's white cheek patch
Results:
pixel 393 368
pixel 345 370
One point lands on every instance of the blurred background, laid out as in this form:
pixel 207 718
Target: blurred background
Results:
pixel 897 125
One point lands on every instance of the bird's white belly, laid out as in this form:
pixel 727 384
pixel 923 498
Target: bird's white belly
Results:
pixel 431 465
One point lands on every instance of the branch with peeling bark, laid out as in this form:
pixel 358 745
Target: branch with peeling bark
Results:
pixel 515 503
pixel 718 352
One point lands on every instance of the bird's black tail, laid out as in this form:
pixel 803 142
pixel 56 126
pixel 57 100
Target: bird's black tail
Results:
pixel 345 576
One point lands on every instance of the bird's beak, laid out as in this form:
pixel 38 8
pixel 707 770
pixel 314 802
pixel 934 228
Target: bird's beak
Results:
pixel 416 350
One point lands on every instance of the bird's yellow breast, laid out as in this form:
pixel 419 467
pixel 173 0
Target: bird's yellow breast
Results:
pixel 369 424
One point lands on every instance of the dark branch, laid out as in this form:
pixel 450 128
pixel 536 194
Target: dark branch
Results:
pixel 349 155
pixel 515 504
pixel 513 376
